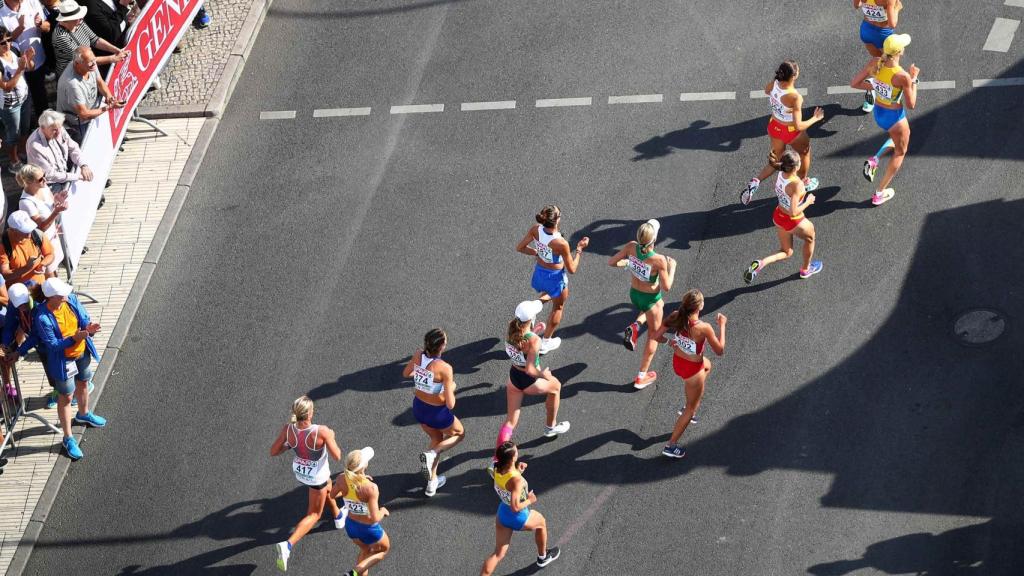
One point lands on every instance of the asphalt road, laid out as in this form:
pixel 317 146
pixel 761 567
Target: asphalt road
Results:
pixel 845 431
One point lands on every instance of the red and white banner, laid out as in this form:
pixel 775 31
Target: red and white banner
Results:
pixel 155 32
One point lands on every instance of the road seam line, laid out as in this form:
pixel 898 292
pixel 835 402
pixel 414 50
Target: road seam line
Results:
pixel 937 85
pixel 997 82
pixel 843 90
pixel 277 115
pixel 698 96
pixel 417 108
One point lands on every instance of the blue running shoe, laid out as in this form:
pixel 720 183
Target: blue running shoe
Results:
pixel 72 449
pixel 811 270
pixel 202 19
pixel 674 451
pixel 91 419
pixel 810 184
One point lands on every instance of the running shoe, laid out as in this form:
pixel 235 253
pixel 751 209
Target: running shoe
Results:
pixel 632 333
pixel 552 431
pixel 643 382
pixel 674 451
pixel 490 469
pixel 813 269
pixel 427 463
pixel 810 184
pixel 751 272
pixel 749 191
pixel 72 449
pixel 538 327
pixel 284 550
pixel 434 484
pixel 549 344
pixel 339 520
pixel 870 167
pixel 882 196
pixel 91 419
pixel 551 555
pixel 869 101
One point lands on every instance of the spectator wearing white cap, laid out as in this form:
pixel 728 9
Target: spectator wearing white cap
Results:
pixel 72 33
pixel 44 208
pixel 26 252
pixel 16 337
pixel 51 148
pixel 65 333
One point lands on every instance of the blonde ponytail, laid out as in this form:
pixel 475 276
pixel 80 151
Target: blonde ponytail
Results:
pixel 302 409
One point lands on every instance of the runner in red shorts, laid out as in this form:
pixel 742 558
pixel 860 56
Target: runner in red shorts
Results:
pixel 690 336
pixel 786 127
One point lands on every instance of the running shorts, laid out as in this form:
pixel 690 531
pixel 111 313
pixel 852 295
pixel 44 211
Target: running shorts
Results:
pixel 781 131
pixel 887 117
pixel 643 301
pixel 436 417
pixel 686 368
pixel 785 221
pixel 366 533
pixel 510 519
pixel 520 379
pixel 871 34
pixel 551 282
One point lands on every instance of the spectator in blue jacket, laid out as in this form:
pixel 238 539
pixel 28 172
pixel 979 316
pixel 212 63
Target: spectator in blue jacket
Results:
pixel 64 330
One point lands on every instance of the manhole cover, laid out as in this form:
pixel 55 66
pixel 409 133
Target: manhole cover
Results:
pixel 979 326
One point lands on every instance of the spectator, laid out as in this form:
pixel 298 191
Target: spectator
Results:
pixel 26 252
pixel 108 19
pixel 72 33
pixel 27 23
pixel 52 149
pixel 16 113
pixel 50 13
pixel 81 93
pixel 38 202
pixel 202 19
pixel 17 339
pixel 65 332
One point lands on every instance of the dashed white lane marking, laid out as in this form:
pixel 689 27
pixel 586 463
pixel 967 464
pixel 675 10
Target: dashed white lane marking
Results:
pixel 330 112
pixel 1015 3
pixel 843 90
pixel 555 102
pixel 278 115
pixel 417 108
pixel 1001 35
pixel 496 105
pixel 761 94
pixel 636 99
pixel 937 85
pixel 997 82
pixel 696 96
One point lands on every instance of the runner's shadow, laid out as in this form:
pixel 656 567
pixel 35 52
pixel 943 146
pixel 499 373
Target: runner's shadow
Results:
pixel 722 299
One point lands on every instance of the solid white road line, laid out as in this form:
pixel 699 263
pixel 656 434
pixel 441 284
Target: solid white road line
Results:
pixel 417 108
pixel 1001 35
pixel 937 85
pixel 761 94
pixel 997 82
pixel 844 90
pixel 496 105
pixel 697 96
pixel 330 112
pixel 278 115
pixel 554 102
pixel 637 99
pixel 1015 3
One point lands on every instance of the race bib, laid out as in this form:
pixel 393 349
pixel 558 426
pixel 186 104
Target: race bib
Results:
pixel 784 200
pixel 505 495
pixel 544 252
pixel 882 89
pixel 356 507
pixel 304 469
pixel 515 354
pixel 424 381
pixel 685 344
pixel 874 13
pixel 779 110
pixel 639 269
pixel 71 367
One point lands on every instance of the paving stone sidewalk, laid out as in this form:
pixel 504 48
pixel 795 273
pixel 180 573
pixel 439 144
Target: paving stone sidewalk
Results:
pixel 144 178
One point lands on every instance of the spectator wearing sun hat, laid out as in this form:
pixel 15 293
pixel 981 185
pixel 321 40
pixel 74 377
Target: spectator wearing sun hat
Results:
pixel 26 252
pixel 65 333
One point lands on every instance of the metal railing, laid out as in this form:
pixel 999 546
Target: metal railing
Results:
pixel 13 402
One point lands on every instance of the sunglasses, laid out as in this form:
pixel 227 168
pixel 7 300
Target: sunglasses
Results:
pixel 5 41
pixel 41 180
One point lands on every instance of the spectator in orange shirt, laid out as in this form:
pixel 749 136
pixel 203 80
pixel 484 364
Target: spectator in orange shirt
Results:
pixel 26 253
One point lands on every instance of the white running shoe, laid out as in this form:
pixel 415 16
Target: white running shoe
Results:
pixel 810 184
pixel 434 484
pixel 882 196
pixel 282 555
pixel 549 344
pixel 552 431
pixel 339 521
pixel 427 463
pixel 749 191
pixel 870 167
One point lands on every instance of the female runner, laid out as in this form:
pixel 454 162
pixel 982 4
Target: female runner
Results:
pixel 312 444
pixel 892 86
pixel 787 126
pixel 688 361
pixel 514 512
pixel 789 220
pixel 652 275
pixel 362 497
pixel 554 259
pixel 432 404
pixel 880 17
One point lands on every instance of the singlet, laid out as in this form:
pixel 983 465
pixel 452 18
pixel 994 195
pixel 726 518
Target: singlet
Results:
pixel 885 92
pixel 780 111
pixel 874 13
pixel 423 379
pixel 501 480
pixel 688 345
pixel 785 201
pixel 351 499
pixel 309 464
pixel 543 246
pixel 517 356
pixel 640 270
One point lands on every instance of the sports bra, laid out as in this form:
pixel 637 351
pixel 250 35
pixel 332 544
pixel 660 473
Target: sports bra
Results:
pixel 785 200
pixel 543 248
pixel 351 498
pixel 642 271
pixel 688 345
pixel 517 356
pixel 423 379
pixel 886 93
pixel 501 481
pixel 780 111
pixel 874 13
pixel 309 464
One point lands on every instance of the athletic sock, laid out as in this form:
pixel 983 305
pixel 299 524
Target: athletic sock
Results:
pixel 641 374
pixel 888 144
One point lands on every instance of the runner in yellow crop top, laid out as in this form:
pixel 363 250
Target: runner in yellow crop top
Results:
pixel 361 497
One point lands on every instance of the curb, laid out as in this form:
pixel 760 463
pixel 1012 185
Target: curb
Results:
pixel 229 75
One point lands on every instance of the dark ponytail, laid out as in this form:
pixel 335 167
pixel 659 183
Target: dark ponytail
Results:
pixel 789 161
pixel 679 321
pixel 548 216
pixel 786 71
pixel 503 455
pixel 434 341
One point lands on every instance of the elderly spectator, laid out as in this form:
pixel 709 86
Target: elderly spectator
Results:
pixel 16 113
pixel 72 33
pixel 26 21
pixel 52 149
pixel 26 252
pixel 40 203
pixel 108 19
pixel 81 93
pixel 65 332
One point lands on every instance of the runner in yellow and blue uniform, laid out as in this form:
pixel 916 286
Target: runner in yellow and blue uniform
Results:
pixel 880 18
pixel 362 499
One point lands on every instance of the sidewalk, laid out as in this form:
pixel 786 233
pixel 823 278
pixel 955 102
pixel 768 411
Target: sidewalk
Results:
pixel 144 177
